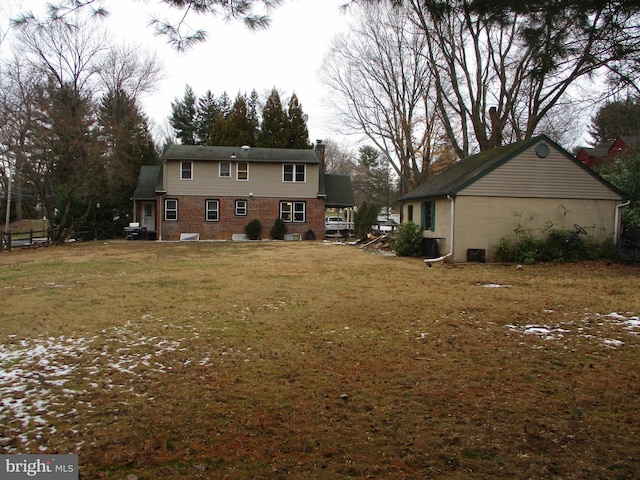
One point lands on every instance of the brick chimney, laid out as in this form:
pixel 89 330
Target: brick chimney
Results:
pixel 319 148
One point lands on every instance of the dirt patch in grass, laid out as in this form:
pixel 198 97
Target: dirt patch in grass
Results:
pixel 317 360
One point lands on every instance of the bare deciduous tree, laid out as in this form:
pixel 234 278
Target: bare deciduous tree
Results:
pixel 130 70
pixel 59 76
pixel 381 85
pixel 498 76
pixel 19 87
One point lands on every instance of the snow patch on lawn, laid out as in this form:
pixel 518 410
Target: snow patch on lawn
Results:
pixel 47 378
pixel 589 326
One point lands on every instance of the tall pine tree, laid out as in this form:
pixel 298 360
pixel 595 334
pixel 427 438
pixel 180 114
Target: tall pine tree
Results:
pixel 183 117
pixel 129 145
pixel 237 128
pixel 298 135
pixel 273 131
pixel 207 110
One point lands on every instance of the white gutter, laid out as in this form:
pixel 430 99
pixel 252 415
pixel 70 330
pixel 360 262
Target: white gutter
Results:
pixel 617 219
pixel 429 261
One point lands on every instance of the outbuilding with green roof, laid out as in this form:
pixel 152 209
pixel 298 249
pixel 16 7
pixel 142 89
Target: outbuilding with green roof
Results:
pixel 534 184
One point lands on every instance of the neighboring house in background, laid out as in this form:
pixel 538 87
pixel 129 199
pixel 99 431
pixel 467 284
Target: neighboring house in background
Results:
pixel 605 152
pixel 535 183
pixel 215 192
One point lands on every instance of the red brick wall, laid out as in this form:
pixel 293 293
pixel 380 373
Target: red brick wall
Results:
pixel 191 217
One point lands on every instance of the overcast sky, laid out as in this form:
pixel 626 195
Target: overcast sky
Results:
pixel 234 59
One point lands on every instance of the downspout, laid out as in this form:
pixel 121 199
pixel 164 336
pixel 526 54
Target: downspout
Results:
pixel 429 261
pixel 617 219
pixel 160 216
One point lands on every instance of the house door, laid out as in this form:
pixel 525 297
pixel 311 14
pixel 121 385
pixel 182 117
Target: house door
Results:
pixel 149 216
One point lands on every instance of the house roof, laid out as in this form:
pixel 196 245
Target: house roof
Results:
pixel 267 155
pixel 338 189
pixel 148 180
pixel 596 152
pixel 631 141
pixel 467 171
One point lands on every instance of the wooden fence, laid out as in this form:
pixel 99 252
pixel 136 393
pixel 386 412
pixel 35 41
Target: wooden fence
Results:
pixel 9 240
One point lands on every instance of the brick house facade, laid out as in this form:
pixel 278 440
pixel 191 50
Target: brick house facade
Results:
pixel 215 192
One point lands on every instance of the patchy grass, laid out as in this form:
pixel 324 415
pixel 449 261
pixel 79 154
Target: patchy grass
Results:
pixel 314 360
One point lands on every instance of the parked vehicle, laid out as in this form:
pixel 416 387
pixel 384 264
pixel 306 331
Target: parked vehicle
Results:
pixel 384 225
pixel 335 223
pixel 337 226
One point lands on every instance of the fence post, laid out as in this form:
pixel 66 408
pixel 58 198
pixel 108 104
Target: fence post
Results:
pixel 8 240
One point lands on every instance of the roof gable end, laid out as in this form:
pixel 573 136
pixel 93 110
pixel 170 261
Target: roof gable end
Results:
pixel 460 177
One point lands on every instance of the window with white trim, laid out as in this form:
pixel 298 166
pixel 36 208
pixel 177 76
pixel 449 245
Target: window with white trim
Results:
pixel 241 208
pixel 171 209
pixel 293 212
pixel 242 171
pixel 186 170
pixel 224 170
pixel 294 172
pixel 212 210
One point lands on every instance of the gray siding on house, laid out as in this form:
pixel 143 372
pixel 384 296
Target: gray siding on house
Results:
pixel 529 176
pixel 265 180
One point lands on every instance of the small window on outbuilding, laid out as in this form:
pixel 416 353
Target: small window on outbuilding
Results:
pixel 428 220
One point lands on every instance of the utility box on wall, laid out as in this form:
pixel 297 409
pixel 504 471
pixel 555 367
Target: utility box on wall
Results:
pixel 430 248
pixel 476 255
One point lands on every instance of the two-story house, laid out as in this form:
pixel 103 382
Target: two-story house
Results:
pixel 215 192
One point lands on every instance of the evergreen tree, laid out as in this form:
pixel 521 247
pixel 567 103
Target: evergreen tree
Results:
pixel 206 112
pixel 252 105
pixel 365 217
pixel 218 131
pixel 624 173
pixel 298 133
pixel 224 103
pixel 377 182
pixel 242 123
pixel 129 145
pixel 273 131
pixel 67 165
pixel 237 128
pixel 183 117
pixel 621 118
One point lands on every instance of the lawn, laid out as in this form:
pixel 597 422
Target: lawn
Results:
pixel 314 360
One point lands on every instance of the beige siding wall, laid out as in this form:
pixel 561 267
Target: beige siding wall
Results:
pixel 480 222
pixel 527 175
pixel 442 221
pixel 265 180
